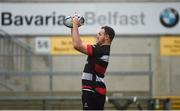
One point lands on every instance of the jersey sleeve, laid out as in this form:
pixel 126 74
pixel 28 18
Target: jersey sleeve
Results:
pixel 89 50
pixel 93 50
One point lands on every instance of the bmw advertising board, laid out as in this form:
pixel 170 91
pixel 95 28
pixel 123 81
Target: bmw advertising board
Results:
pixel 125 18
pixel 169 17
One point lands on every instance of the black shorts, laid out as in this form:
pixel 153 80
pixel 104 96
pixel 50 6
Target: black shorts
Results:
pixel 92 100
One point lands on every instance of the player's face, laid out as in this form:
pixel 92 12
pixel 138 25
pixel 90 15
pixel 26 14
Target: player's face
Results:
pixel 101 36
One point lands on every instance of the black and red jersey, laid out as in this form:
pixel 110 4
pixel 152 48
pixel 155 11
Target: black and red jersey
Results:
pixel 95 68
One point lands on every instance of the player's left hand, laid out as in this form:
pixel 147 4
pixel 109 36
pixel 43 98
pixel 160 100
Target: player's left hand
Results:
pixel 76 20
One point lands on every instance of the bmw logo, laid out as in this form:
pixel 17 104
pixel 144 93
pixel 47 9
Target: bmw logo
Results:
pixel 169 17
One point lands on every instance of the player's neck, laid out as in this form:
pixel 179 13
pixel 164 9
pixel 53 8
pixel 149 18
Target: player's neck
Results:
pixel 105 43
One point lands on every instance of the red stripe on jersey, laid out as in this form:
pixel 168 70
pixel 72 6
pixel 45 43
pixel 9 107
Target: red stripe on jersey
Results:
pixel 86 87
pixel 101 90
pixel 89 50
pixel 98 89
pixel 99 69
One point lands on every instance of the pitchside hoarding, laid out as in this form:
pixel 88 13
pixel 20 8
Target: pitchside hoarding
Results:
pixel 170 45
pixel 125 18
pixel 59 45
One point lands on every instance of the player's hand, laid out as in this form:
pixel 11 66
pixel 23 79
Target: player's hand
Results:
pixel 76 20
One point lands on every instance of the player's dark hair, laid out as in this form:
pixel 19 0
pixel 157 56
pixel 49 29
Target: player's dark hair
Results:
pixel 110 31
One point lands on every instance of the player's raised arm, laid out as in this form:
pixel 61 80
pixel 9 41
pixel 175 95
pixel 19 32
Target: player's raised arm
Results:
pixel 77 42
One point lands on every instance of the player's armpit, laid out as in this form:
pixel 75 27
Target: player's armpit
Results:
pixel 82 47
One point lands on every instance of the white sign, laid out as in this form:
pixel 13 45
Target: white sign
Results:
pixel 125 18
pixel 42 45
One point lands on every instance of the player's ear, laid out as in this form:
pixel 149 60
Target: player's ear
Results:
pixel 107 36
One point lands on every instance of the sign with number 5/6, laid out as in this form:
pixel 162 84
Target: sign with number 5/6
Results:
pixel 42 45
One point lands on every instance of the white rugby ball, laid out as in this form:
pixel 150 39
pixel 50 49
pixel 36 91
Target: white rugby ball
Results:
pixel 69 23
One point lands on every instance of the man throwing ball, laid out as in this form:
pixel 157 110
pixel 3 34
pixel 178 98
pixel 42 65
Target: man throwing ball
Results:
pixel 93 85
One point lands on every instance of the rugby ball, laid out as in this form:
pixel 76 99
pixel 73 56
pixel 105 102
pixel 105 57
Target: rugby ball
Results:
pixel 69 23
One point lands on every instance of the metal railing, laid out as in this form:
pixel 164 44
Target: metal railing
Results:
pixel 50 73
pixel 17 59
